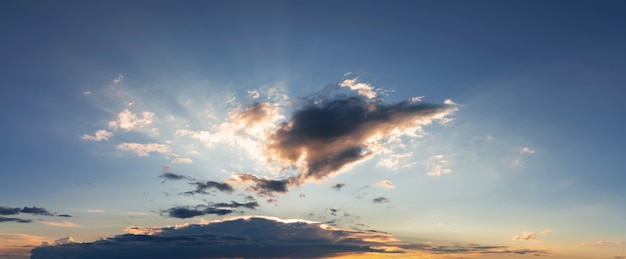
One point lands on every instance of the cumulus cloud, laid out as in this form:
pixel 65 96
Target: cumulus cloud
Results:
pixel 144 149
pixel 327 134
pixel 437 166
pixel 525 236
pixel 126 120
pixel 527 150
pixel 99 135
pixel 256 237
pixel 362 89
pixel 222 208
pixel 385 184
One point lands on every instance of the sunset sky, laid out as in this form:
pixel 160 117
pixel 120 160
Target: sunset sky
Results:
pixel 322 129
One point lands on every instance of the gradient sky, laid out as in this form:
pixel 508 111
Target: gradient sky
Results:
pixel 430 129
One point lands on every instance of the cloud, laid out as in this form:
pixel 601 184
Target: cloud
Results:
pixel 99 135
pixel 262 186
pixel 60 224
pixel 327 134
pixel 144 149
pixel 620 257
pixel 527 150
pixel 257 237
pixel 64 241
pixel 381 200
pixel 182 160
pixel 547 231
pixel 183 212
pixel 363 89
pixel 9 211
pixel 385 184
pixel 437 166
pixel 18 220
pixel 526 236
pixel 338 186
pixel 36 211
pixel 128 121
pixel 118 79
pixel 602 243
pixel 202 187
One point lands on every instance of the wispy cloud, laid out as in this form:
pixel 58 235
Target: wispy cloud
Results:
pixel 437 166
pixel 183 212
pixel 602 243
pixel 338 186
pixel 60 224
pixel 527 150
pixel 182 160
pixel 99 135
pixel 18 220
pixel 262 186
pixel 363 89
pixel 144 149
pixel 37 211
pixel 205 187
pixel 381 200
pixel 118 79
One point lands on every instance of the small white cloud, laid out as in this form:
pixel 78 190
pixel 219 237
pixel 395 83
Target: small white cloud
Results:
pixel 385 184
pixel 144 149
pixel 87 92
pixel 362 88
pixel 98 136
pixel 95 211
pixel 126 120
pixel 527 150
pixel 437 166
pixel 118 79
pixel 526 236
pixel 182 160
pixel 547 232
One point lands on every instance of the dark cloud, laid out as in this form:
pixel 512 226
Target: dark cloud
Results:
pixel 263 186
pixel 26 210
pixel 18 220
pixel 257 237
pixel 9 211
pixel 338 186
pixel 381 199
pixel 239 238
pixel 220 209
pixel 172 176
pixel 202 187
pixel 328 134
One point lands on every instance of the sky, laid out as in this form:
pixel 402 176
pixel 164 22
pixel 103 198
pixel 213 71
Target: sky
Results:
pixel 312 129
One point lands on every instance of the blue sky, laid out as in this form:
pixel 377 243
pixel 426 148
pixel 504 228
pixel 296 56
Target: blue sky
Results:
pixel 482 125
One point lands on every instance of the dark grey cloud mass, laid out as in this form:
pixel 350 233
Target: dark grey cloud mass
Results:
pixel 331 133
pixel 37 211
pixel 222 208
pixel 18 220
pixel 263 186
pixel 203 187
pixel 254 237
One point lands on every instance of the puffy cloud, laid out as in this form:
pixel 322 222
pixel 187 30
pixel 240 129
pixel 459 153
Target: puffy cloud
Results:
pixel 385 184
pixel 144 149
pixel 381 200
pixel 527 150
pixel 183 212
pixel 363 89
pixel 99 135
pixel 338 186
pixel 64 241
pixel 327 134
pixel 127 121
pixel 437 166
pixel 525 236
pixel 256 237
